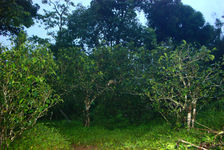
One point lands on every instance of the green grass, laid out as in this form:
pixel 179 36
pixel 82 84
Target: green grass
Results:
pixel 154 135
pixel 41 137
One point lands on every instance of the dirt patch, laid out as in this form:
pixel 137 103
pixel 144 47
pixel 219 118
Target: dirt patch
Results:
pixel 84 147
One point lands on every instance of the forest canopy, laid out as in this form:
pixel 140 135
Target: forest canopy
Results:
pixel 105 67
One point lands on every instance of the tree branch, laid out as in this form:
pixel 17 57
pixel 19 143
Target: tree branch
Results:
pixel 186 142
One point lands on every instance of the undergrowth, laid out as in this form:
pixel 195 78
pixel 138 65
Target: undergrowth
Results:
pixel 156 135
pixel 41 137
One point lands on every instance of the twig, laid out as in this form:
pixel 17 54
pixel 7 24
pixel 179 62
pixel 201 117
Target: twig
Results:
pixel 185 142
pixel 211 130
pixel 219 134
pixel 164 117
pixel 63 113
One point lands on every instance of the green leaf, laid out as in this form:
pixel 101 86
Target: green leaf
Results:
pixel 20 102
pixel 211 57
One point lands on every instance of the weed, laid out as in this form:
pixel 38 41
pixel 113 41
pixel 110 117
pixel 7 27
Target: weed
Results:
pixel 156 135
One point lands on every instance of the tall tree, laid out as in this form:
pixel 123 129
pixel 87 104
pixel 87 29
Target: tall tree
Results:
pixel 170 18
pixel 57 17
pixel 220 42
pixel 107 22
pixel 55 22
pixel 14 14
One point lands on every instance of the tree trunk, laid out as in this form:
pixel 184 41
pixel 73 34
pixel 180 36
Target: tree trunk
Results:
pixel 189 117
pixel 3 143
pixel 194 114
pixel 87 108
pixel 87 121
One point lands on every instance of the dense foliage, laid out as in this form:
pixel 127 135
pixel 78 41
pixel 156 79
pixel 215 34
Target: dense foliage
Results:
pixel 170 18
pixel 110 69
pixel 25 95
pixel 16 13
pixel 182 77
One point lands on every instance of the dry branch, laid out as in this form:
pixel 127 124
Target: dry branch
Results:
pixel 186 142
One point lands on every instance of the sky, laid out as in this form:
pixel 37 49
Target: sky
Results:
pixel 211 9
pixel 40 31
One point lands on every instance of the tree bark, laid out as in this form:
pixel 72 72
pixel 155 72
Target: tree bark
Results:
pixel 189 116
pixel 87 121
pixel 194 114
pixel 87 108
pixel 3 143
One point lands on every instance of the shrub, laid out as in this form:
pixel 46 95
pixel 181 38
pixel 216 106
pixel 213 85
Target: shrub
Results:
pixel 25 95
pixel 41 136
